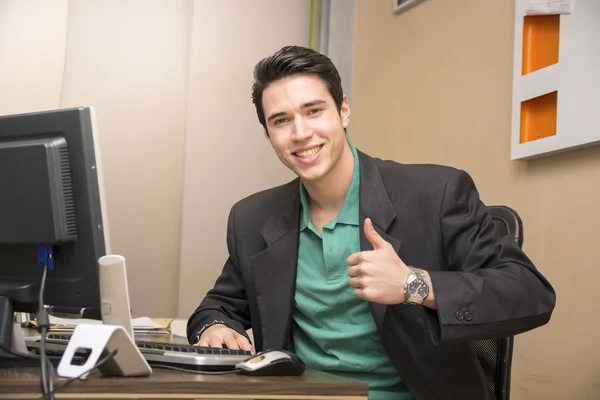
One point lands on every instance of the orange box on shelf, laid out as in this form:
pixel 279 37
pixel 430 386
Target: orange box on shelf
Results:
pixel 538 117
pixel 541 35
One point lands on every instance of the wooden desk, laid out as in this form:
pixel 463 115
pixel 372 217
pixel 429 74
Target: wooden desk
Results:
pixel 24 383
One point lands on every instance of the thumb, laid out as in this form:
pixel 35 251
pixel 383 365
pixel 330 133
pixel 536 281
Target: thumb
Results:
pixel 372 236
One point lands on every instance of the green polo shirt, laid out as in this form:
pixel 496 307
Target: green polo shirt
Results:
pixel 334 331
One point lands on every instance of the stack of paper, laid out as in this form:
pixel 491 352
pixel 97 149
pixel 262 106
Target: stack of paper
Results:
pixel 150 325
pixel 140 325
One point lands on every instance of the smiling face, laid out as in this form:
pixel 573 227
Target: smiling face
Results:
pixel 304 125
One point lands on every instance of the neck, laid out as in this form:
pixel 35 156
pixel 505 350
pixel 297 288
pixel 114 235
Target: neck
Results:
pixel 329 192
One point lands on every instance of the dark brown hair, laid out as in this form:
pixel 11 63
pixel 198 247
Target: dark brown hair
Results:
pixel 289 61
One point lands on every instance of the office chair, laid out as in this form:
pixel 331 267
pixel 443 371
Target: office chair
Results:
pixel 495 355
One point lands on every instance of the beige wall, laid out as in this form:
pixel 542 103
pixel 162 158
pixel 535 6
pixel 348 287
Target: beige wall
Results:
pixel 341 40
pixel 31 59
pixel 226 157
pixel 170 82
pixel 130 60
pixel 433 85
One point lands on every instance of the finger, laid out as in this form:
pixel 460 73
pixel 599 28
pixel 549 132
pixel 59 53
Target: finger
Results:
pixel 215 341
pixel 360 293
pixel 202 342
pixel 373 237
pixel 355 283
pixel 360 257
pixel 231 343
pixel 354 259
pixel 243 343
pixel 354 271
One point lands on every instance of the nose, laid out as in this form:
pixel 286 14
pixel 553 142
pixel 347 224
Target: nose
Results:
pixel 302 130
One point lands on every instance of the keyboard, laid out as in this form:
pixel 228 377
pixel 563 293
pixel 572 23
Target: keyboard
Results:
pixel 160 354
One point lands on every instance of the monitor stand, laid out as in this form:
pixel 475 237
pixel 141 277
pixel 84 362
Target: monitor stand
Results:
pixel 74 312
pixel 21 296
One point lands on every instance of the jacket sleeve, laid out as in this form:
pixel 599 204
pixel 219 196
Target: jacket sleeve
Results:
pixel 491 289
pixel 226 302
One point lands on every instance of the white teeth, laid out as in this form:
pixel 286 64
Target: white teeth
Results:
pixel 309 153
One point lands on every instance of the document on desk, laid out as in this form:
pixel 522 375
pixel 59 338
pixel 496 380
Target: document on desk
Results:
pixel 70 323
pixel 542 7
pixel 140 325
pixel 151 325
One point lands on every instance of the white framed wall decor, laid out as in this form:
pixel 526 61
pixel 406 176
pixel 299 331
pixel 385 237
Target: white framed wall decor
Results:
pixel 556 77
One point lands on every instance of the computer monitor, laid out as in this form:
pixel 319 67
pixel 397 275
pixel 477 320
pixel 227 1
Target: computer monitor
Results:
pixel 51 193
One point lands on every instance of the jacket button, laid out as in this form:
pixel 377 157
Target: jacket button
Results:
pixel 459 315
pixel 468 316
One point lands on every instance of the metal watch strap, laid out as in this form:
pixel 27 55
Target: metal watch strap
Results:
pixel 419 274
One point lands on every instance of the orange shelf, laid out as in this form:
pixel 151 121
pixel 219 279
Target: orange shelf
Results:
pixel 538 117
pixel 541 35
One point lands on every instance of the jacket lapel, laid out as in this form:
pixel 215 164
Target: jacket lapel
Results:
pixel 275 269
pixel 375 204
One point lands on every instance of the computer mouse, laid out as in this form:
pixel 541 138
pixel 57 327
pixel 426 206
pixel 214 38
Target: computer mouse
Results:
pixel 272 363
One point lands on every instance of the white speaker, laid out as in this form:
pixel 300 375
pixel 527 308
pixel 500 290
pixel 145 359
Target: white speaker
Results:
pixel 114 294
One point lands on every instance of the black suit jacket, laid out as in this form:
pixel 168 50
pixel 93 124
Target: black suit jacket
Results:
pixel 485 286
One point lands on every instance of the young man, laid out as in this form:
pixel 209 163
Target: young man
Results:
pixel 373 270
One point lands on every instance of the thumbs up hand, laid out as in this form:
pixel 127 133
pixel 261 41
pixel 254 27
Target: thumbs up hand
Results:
pixel 378 275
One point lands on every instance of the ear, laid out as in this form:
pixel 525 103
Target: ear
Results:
pixel 345 112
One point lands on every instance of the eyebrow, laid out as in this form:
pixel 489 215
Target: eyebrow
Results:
pixel 305 105
pixel 312 103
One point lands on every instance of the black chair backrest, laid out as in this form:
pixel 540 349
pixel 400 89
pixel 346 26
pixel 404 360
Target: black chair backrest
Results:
pixel 495 355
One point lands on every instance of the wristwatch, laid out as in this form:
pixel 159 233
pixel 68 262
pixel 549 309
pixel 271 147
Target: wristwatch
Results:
pixel 416 288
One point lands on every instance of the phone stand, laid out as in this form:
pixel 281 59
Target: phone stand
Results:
pixel 99 341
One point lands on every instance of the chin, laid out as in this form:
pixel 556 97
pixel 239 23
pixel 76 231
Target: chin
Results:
pixel 308 173
pixel 310 176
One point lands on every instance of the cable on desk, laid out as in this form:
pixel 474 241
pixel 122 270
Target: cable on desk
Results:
pixel 51 394
pixel 17 354
pixel 45 255
pixel 232 371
